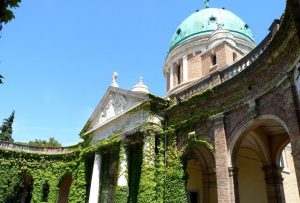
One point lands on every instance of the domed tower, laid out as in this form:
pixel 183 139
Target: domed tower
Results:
pixel 208 40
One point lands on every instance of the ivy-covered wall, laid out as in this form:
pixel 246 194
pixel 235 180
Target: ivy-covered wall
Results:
pixel 155 171
pixel 44 169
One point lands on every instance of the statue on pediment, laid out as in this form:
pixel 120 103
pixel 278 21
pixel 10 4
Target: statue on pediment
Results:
pixel 116 105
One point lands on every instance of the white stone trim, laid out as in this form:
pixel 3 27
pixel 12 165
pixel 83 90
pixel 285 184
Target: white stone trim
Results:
pixel 95 183
pixel 171 77
pixel 185 68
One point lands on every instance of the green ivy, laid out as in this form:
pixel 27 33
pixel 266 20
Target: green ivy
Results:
pixel 44 169
pixel 147 187
pixel 175 190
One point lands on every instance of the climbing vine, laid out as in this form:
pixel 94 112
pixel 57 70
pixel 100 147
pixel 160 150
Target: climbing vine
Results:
pixel 46 172
pixel 174 172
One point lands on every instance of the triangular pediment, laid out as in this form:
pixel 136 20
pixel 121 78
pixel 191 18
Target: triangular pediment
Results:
pixel 114 103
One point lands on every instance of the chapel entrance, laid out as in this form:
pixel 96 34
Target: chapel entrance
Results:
pixel 256 157
pixel 201 177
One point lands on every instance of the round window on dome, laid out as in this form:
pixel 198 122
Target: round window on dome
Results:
pixel 212 19
pixel 246 26
pixel 178 32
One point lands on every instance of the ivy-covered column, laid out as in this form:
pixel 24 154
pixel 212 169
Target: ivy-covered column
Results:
pixel 221 156
pixel 147 187
pixel 95 184
pixel 109 174
pixel 78 192
pixel 175 191
pixel 121 195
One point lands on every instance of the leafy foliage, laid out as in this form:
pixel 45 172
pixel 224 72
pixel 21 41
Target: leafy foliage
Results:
pixel 6 129
pixel 6 13
pixel 1 77
pixel 174 172
pixel 147 192
pixel 44 169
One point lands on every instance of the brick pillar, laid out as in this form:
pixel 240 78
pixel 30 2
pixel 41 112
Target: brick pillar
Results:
pixel 274 184
pixel 233 174
pixel 221 157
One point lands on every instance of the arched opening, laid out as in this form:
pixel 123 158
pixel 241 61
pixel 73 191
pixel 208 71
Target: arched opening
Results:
pixel 178 74
pixel 26 193
pixel 64 188
pixel 251 176
pixel 288 173
pixel 256 156
pixel 234 57
pixel 45 191
pixel 201 177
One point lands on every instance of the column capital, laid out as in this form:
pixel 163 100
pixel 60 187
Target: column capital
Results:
pixel 217 119
pixel 273 174
pixel 233 171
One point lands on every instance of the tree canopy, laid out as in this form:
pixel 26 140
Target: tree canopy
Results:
pixel 6 13
pixel 6 129
pixel 44 143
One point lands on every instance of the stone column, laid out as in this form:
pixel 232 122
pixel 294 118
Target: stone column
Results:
pixel 185 68
pixel 95 183
pixel 221 157
pixel 274 184
pixel 233 174
pixel 122 180
pixel 171 77
pixel 122 190
pixel 147 182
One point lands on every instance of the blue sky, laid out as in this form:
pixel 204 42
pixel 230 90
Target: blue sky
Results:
pixel 57 56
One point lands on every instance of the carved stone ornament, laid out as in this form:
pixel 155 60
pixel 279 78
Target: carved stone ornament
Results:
pixel 116 105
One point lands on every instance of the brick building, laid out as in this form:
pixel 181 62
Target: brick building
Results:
pixel 228 129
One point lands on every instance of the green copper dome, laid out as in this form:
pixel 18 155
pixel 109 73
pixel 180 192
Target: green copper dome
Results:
pixel 206 21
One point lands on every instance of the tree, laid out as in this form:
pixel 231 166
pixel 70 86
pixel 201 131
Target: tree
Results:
pixel 6 14
pixel 43 143
pixel 6 129
pixel 6 7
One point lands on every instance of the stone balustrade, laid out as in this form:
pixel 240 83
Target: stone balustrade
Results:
pixel 40 150
pixel 225 73
pixel 228 72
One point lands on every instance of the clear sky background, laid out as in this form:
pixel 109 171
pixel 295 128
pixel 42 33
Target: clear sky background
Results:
pixel 58 56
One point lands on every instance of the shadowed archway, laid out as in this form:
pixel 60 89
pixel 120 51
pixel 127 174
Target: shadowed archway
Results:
pixel 64 188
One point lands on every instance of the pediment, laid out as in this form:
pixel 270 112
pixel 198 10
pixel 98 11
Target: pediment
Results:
pixel 114 103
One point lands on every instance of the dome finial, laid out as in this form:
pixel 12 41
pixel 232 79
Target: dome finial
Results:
pixel 114 80
pixel 141 80
pixel 141 87
pixel 206 3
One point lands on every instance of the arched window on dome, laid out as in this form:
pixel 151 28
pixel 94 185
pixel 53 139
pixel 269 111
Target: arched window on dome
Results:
pixel 234 56
pixel 178 71
pixel 213 59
